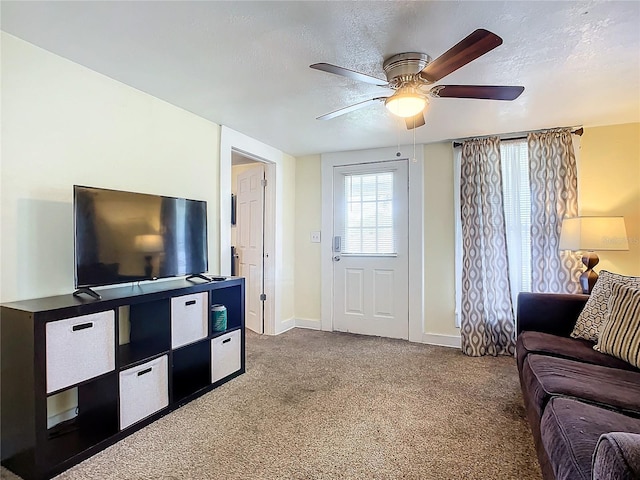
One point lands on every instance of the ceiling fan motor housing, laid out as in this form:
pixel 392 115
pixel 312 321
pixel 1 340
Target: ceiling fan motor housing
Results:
pixel 404 67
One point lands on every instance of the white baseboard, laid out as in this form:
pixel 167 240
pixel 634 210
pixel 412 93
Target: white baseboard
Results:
pixel 308 323
pixel 61 417
pixel 285 325
pixel 290 323
pixel 453 341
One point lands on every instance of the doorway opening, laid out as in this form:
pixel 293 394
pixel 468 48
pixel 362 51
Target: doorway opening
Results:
pixel 250 222
pixel 275 163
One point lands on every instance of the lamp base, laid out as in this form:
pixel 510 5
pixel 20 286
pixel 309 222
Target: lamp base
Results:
pixel 589 277
pixel 148 267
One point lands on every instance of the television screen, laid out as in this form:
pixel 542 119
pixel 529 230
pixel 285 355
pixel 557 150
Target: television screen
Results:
pixel 126 237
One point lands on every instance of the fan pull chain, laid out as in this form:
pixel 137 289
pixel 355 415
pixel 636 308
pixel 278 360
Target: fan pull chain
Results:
pixel 415 160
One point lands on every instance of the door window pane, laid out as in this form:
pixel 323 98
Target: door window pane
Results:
pixel 369 214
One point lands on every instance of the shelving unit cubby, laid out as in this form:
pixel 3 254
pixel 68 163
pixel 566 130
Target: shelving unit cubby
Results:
pixel 153 341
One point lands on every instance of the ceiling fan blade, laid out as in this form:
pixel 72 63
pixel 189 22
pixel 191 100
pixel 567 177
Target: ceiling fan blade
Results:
pixel 487 92
pixel 415 121
pixel 475 45
pixel 345 72
pixel 350 108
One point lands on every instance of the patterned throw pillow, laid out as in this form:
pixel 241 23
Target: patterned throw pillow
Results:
pixel 620 335
pixel 594 313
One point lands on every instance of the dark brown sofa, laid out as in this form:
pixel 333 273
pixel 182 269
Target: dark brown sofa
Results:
pixel 574 395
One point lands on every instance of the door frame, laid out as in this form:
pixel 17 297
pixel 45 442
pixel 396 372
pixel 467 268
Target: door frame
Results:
pixel 415 157
pixel 366 321
pixel 231 141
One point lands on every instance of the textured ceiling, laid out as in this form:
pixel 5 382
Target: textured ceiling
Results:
pixel 246 64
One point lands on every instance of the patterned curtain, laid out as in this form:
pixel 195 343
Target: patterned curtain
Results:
pixel 554 195
pixel 487 321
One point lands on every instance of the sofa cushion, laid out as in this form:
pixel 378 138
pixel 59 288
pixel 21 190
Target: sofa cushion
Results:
pixel 564 347
pixel 617 457
pixel 570 431
pixel 594 313
pixel 544 376
pixel 554 313
pixel 620 334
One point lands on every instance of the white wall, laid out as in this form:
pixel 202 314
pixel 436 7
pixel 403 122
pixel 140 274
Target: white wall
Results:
pixel 63 124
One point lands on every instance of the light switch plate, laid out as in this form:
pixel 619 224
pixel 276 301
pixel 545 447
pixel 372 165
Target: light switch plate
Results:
pixel 315 237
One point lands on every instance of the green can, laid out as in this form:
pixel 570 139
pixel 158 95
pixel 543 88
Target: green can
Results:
pixel 219 318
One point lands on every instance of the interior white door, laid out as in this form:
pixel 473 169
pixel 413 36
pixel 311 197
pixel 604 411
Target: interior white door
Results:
pixel 250 239
pixel 370 249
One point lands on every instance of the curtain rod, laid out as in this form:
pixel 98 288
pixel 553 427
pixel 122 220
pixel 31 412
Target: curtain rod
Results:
pixel 578 131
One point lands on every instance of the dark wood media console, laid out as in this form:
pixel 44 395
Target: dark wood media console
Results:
pixel 123 361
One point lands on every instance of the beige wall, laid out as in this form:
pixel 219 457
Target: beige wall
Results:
pixel 308 214
pixel 287 272
pixel 609 184
pixel 439 246
pixel 63 124
pixel 439 292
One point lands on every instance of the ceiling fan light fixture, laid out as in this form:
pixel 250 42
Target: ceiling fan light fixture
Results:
pixel 406 102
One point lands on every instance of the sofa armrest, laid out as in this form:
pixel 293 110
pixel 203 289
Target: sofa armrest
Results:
pixel 554 313
pixel 617 456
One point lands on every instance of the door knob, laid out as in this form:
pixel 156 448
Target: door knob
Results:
pixel 336 258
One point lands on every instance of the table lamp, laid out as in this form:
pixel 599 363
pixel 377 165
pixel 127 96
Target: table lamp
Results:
pixel 149 244
pixel 592 233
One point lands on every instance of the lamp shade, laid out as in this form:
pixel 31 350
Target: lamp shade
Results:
pixel 593 233
pixel 406 102
pixel 149 243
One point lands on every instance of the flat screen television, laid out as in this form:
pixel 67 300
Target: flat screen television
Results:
pixel 127 237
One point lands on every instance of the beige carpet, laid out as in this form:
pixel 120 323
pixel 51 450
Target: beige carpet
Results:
pixel 318 405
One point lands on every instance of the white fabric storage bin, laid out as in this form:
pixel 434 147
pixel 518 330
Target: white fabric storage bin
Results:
pixel 225 355
pixel 143 390
pixel 189 315
pixel 80 348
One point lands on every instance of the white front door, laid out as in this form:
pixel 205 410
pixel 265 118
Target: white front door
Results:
pixel 370 249
pixel 250 239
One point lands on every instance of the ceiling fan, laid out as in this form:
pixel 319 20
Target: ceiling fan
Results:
pixel 412 75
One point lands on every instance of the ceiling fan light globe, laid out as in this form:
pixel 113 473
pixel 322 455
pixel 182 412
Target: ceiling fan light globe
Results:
pixel 406 104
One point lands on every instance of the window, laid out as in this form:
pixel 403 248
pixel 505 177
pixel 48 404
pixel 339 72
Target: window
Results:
pixel 369 214
pixel 516 194
pixel 514 156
